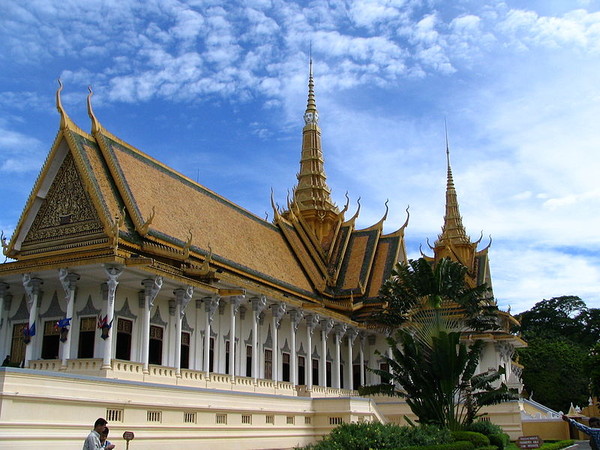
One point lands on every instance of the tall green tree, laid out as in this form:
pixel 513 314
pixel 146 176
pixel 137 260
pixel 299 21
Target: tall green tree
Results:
pixel 430 367
pixel 560 365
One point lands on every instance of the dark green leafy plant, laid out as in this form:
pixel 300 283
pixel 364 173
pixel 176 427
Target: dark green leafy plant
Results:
pixel 364 436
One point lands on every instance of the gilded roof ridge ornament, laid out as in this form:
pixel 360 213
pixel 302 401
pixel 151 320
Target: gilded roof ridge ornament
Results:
pixel 96 127
pixel 479 240
pixel 347 203
pixel 188 244
pixel 429 244
pixel 64 118
pixel 355 216
pixel 276 214
pixel 145 227
pixel 4 243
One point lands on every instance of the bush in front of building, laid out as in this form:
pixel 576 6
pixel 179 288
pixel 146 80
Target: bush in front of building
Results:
pixel 374 435
pixel 478 439
pixel 494 433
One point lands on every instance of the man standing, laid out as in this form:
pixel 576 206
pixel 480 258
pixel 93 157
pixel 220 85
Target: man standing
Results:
pixel 92 442
pixel 593 430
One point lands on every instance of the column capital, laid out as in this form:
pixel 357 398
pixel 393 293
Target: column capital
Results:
pixel 32 287
pixel 296 316
pixel 327 326
pixel 340 330
pixel 235 302
pixel 68 280
pixel 210 306
pixel 312 320
pixel 352 334
pixel 278 310
pixel 183 296
pixel 152 287
pixel 3 288
pixel 258 305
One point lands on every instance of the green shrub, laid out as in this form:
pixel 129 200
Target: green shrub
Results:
pixel 500 440
pixel 478 439
pixel 364 436
pixel 557 445
pixel 458 445
pixel 488 447
pixel 485 427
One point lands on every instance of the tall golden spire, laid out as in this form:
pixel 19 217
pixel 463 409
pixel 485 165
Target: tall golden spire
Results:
pixel 453 231
pixel 312 195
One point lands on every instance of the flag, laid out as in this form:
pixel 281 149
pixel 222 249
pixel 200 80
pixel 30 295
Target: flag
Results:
pixel 29 331
pixel 102 322
pixel 63 323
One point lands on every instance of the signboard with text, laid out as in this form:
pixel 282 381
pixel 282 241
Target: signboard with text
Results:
pixel 527 442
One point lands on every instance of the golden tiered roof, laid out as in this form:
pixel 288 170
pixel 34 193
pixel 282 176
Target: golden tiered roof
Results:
pixel 99 199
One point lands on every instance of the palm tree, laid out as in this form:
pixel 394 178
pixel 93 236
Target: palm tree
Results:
pixel 420 285
pixel 429 366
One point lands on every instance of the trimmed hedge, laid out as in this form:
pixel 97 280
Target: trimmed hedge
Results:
pixel 478 439
pixel 485 427
pixel 500 440
pixel 557 445
pixel 458 445
pixel 364 436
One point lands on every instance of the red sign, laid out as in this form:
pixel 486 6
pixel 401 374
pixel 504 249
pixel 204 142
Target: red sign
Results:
pixel 128 435
pixel 527 442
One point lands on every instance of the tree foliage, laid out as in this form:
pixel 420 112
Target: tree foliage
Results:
pixel 421 283
pixel 430 367
pixel 439 382
pixel 560 362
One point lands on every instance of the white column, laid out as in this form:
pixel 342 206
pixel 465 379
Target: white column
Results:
pixel 311 322
pixel 362 358
pixel 326 327
pixel 4 301
pixel 151 289
pixel 198 338
pixel 351 335
pixel 210 307
pixel 258 305
pixel 339 332
pixel 296 317
pixel 32 289
pixel 278 312
pixel 112 272
pixel 234 303
pixel 68 281
pixel 182 298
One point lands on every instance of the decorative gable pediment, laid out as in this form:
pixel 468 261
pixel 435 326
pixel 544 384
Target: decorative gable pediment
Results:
pixel 66 215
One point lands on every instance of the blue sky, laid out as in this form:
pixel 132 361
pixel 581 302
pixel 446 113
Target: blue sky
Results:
pixel 217 90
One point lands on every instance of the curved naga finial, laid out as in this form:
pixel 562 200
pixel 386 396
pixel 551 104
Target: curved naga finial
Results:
pixel 59 106
pixel 96 127
pixel 144 228
pixel 429 244
pixel 489 244
pixel 274 206
pixel 387 209
pixel 188 244
pixel 355 216
pixel 479 240
pixel 407 217
pixel 347 203
pixel 205 269
pixel 4 244
pixel 421 251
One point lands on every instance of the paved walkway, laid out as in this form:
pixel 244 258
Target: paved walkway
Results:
pixel 581 445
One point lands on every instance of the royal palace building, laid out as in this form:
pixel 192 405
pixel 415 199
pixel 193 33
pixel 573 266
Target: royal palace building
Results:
pixel 136 294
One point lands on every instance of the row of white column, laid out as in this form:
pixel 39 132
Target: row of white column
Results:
pixel 183 296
